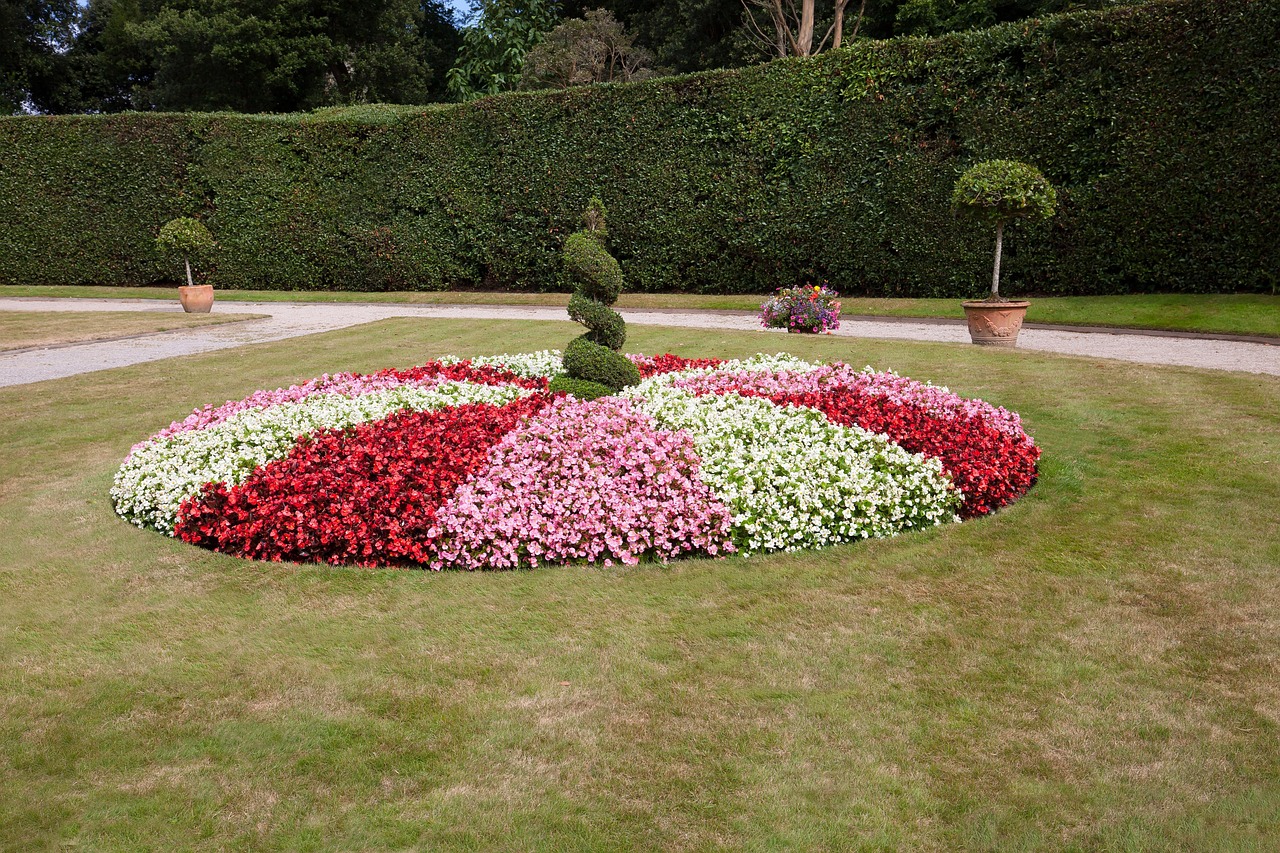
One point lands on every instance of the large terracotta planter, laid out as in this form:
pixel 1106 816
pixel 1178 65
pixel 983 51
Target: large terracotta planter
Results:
pixel 995 324
pixel 196 299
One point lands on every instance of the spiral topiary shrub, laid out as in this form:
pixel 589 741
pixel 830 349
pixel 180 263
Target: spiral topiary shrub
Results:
pixel 593 357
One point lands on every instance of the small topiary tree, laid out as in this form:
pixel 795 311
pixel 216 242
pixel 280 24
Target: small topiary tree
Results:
pixel 592 363
pixel 999 191
pixel 185 237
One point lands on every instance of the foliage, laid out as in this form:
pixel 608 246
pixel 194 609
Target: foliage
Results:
pixel 493 49
pixel 274 57
pixel 184 236
pixel 583 389
pixel 811 308
pixel 1003 190
pixel 591 49
pixel 34 36
pixel 729 182
pixel 1000 191
pixel 584 359
pixel 593 357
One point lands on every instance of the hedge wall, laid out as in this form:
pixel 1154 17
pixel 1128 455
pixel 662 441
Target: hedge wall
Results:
pixel 1157 122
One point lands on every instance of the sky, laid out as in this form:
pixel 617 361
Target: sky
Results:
pixel 460 8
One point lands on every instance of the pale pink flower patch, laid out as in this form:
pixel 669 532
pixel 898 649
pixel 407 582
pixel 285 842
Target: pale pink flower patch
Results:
pixel 584 481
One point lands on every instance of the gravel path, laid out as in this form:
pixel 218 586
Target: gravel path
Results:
pixel 292 319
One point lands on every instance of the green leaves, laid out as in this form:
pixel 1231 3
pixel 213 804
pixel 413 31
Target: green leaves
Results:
pixel 493 48
pixel 1002 190
pixel 184 236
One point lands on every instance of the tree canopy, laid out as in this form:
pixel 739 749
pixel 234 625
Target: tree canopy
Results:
pixel 64 56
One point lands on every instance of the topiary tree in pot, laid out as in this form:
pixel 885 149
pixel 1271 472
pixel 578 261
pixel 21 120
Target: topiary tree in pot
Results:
pixel 998 192
pixel 592 363
pixel 188 238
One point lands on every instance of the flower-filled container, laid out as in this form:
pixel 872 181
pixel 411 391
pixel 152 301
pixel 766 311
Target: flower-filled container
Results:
pixel 808 309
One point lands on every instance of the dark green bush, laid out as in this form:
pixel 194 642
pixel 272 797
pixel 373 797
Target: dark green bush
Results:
pixel 1156 122
pixel 589 361
pixel 593 357
pixel 583 389
pixel 1000 191
pixel 591 268
pixel 607 328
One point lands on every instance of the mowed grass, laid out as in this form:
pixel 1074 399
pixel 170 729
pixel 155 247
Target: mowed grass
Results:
pixel 24 329
pixel 1094 668
pixel 1232 314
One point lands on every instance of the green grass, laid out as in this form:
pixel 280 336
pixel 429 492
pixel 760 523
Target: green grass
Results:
pixel 21 329
pixel 1092 669
pixel 1233 314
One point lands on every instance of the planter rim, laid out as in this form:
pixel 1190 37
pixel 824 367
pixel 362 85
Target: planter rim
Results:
pixel 987 303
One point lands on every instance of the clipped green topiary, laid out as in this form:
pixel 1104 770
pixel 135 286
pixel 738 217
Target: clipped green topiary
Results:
pixel 593 358
pixel 586 360
pixel 608 329
pixel 581 388
pixel 186 238
pixel 1000 191
pixel 594 270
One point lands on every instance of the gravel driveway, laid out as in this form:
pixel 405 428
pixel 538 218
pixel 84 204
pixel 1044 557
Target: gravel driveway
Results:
pixel 293 319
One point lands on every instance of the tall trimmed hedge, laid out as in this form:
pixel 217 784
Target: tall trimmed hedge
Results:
pixel 1156 122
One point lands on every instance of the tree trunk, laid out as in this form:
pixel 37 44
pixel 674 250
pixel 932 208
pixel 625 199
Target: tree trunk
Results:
pixel 804 37
pixel 839 22
pixel 187 261
pixel 995 276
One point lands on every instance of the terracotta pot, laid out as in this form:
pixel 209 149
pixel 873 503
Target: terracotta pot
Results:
pixel 792 331
pixel 995 324
pixel 196 299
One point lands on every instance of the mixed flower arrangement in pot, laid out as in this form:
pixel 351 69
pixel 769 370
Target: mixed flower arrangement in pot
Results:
pixel 807 309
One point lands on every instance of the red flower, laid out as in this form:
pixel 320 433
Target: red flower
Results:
pixel 366 495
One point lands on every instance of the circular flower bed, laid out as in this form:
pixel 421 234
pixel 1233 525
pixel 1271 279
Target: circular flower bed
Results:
pixel 475 465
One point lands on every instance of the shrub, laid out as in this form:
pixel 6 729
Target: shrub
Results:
pixel 186 238
pixel 1154 121
pixel 583 389
pixel 1000 191
pixel 586 360
pixel 593 357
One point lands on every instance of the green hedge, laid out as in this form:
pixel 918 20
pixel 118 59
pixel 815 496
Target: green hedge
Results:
pixel 1156 122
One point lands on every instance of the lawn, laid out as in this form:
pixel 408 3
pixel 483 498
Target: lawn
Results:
pixel 1092 668
pixel 23 329
pixel 1234 314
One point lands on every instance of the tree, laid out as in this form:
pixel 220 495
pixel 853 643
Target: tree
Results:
pixel 184 238
pixel 1000 191
pixel 257 56
pixel 34 38
pixel 493 49
pixel 593 49
pixel 684 35
pixel 793 28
